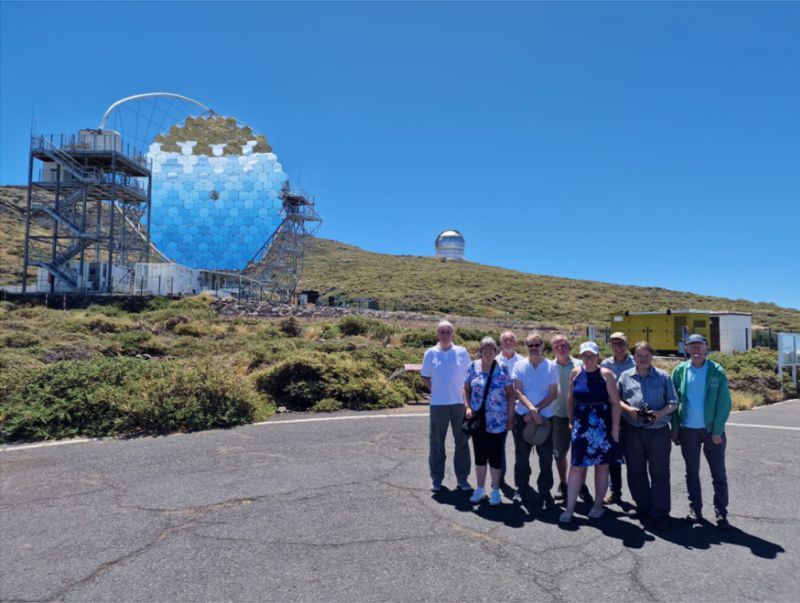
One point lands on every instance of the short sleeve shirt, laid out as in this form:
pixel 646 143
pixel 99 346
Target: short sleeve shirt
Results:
pixel 446 371
pixel 536 382
pixel 496 400
pixel 564 371
pixel 618 367
pixel 654 389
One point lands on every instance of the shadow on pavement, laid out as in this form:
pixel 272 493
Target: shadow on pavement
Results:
pixel 704 535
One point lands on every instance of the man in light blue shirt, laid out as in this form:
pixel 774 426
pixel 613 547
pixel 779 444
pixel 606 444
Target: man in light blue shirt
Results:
pixel 704 404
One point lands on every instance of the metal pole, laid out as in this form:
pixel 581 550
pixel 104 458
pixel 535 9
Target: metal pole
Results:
pixel 27 223
pixel 55 227
pixel 110 281
pixel 149 205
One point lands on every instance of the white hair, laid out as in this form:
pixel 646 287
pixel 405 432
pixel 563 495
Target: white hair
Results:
pixel 445 323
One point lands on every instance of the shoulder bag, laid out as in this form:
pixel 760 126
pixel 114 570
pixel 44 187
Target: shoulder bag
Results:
pixel 477 422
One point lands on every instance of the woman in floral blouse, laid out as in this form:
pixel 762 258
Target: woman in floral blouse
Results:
pixel 594 412
pixel 488 444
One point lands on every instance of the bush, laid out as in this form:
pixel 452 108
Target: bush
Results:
pixel 133 343
pixel 193 328
pixel 114 396
pixel 327 405
pixel 468 334
pixel 362 325
pixel 291 327
pixel 300 381
pixel 19 340
pixel 61 353
pixel 420 338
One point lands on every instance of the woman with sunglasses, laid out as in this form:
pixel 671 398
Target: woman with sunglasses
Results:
pixel 593 406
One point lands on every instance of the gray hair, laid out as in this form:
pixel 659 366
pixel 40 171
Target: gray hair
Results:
pixel 445 323
pixel 486 342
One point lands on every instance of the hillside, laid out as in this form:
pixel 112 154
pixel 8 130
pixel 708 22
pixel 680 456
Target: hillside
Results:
pixel 430 285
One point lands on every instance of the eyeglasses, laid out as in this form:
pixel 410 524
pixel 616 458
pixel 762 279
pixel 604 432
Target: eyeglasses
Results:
pixel 561 345
pixel 534 345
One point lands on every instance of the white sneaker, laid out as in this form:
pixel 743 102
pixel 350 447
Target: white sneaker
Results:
pixel 477 496
pixel 565 517
pixel 495 499
pixel 597 512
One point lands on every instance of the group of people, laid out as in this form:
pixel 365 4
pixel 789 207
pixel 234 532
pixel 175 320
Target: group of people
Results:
pixel 609 413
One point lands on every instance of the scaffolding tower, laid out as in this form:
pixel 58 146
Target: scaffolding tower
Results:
pixel 88 212
pixel 278 265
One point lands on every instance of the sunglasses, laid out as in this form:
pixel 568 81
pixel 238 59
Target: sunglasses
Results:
pixel 534 345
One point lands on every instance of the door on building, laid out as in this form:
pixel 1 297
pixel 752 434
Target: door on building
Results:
pixel 714 334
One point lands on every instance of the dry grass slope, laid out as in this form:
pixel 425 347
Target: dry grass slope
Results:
pixel 469 289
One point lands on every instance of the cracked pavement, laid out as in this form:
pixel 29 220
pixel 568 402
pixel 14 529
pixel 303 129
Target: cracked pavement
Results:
pixel 341 510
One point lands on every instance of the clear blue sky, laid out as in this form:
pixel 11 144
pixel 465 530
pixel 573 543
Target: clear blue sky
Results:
pixel 652 144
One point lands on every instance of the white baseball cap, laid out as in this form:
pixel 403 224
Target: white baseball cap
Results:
pixel 589 346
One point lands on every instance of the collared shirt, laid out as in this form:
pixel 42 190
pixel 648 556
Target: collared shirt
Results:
pixel 446 370
pixel 510 363
pixel 654 389
pixel 695 415
pixel 535 384
pixel 564 371
pixel 618 367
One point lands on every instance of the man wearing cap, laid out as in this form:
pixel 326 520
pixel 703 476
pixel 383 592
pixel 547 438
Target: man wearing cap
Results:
pixel 704 404
pixel 648 399
pixel 508 357
pixel 444 368
pixel 621 361
pixel 561 433
pixel 536 385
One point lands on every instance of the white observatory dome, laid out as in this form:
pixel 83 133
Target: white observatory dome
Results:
pixel 450 245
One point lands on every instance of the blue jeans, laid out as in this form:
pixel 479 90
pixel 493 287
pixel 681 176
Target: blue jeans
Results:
pixel 692 441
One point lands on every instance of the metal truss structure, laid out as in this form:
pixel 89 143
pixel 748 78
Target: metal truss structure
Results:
pixel 91 197
pixel 278 265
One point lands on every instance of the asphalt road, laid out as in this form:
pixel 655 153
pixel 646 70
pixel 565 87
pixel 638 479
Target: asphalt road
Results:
pixel 340 509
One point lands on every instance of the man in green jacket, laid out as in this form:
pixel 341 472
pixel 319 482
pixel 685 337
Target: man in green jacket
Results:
pixel 704 403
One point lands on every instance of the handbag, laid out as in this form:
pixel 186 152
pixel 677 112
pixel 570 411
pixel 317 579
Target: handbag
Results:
pixel 477 422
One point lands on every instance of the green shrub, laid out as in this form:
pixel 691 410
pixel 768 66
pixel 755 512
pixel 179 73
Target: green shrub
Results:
pixel 62 352
pixel 193 328
pixel 330 331
pixel 133 343
pixel 363 325
pixel 291 327
pixel 19 340
pixel 420 338
pixel 327 405
pixel 469 334
pixel 123 396
pixel 354 325
pixel 302 380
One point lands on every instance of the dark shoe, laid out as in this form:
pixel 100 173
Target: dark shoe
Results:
pixel 723 524
pixel 694 516
pixel 641 513
pixel 561 492
pixel 612 498
pixel 464 486
pixel 585 496
pixel 661 524
pixel 548 503
pixel 436 486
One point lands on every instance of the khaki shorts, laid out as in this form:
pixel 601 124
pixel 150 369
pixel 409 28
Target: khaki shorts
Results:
pixel 561 437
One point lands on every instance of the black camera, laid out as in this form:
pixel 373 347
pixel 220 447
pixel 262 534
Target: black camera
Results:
pixel 646 415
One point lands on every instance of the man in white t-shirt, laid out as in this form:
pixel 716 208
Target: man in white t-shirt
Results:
pixel 508 357
pixel 444 368
pixel 536 385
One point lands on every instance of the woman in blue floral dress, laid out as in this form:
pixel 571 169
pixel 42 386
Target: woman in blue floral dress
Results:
pixel 594 410
pixel 488 445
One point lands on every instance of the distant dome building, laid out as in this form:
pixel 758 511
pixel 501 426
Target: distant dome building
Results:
pixel 450 245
